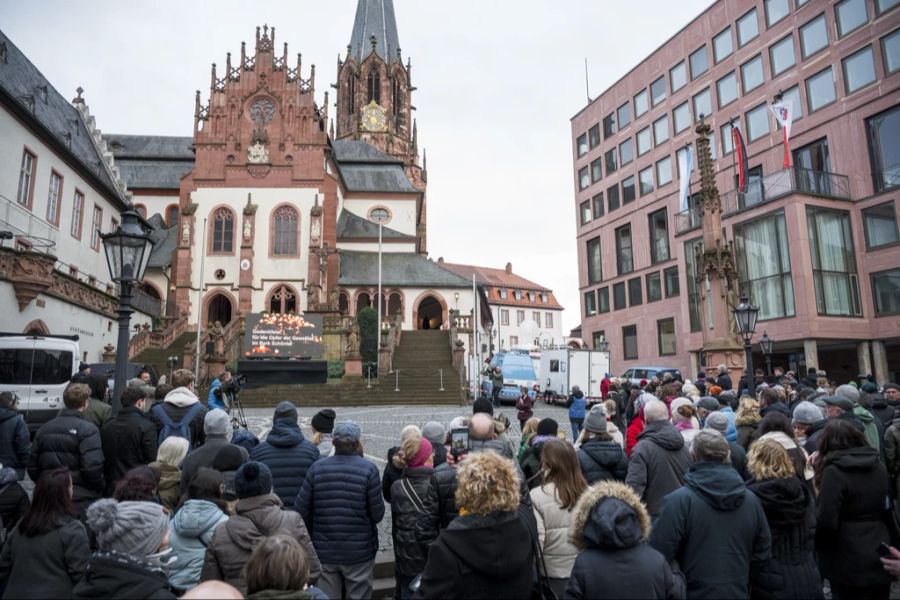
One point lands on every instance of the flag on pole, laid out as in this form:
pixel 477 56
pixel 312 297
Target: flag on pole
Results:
pixel 685 168
pixel 784 114
pixel 741 151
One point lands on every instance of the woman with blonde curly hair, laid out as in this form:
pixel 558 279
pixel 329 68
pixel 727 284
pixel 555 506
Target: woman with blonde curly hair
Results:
pixel 746 420
pixel 528 432
pixel 791 570
pixel 487 551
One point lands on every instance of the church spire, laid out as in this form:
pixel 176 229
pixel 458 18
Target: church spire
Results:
pixel 374 30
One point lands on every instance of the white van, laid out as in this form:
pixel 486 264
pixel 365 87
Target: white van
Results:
pixel 37 370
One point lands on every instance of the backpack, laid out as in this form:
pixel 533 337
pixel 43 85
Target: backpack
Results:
pixel 182 428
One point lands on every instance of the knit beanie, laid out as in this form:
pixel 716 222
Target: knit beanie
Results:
pixel 434 433
pixel 807 413
pixel 482 405
pixel 135 528
pixel 252 479
pixel 421 457
pixel 849 392
pixel 548 426
pixel 708 403
pixel 229 458
pixel 323 421
pixel 216 422
pixel 595 422
pixel 717 421
pixel 285 410
pixel 891 386
pixel 870 388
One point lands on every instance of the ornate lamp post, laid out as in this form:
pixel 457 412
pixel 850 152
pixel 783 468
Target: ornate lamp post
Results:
pixel 745 318
pixel 127 254
pixel 766 343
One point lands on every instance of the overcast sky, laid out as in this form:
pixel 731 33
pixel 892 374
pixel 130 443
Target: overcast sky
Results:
pixel 498 81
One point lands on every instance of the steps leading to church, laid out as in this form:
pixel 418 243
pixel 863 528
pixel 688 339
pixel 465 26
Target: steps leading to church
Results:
pixel 158 356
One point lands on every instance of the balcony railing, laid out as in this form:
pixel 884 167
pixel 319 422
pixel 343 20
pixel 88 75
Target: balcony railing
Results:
pixel 145 303
pixel 22 222
pixel 782 183
pixel 772 187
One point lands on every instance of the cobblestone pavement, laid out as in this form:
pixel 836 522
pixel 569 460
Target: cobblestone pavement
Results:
pixel 381 426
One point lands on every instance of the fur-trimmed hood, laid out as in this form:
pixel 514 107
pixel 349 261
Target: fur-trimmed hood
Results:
pixel 609 515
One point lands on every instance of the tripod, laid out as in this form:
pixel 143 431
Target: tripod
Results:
pixel 235 409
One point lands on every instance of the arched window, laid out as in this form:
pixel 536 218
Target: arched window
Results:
pixel 351 94
pixel 397 96
pixel 283 300
pixel 344 303
pixel 374 84
pixel 172 215
pixel 284 231
pixel 394 304
pixel 362 301
pixel 223 231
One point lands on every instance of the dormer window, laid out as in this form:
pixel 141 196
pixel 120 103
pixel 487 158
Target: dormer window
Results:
pixel 503 293
pixel 544 298
pixel 531 296
pixel 518 294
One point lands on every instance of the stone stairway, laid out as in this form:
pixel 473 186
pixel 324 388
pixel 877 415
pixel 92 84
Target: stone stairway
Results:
pixel 418 363
pixel 158 356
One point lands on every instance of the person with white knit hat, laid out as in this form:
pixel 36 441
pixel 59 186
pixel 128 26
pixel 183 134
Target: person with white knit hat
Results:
pixel 133 548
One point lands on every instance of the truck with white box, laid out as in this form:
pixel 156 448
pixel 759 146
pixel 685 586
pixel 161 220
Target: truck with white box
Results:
pixel 563 368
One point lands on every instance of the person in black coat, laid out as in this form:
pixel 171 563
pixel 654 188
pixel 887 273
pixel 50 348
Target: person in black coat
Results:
pixel 129 439
pixel 723 379
pixel 610 527
pixel 14 501
pixel 55 446
pixel 15 441
pixel 415 511
pixel 487 551
pixel 45 554
pixel 791 571
pixel 600 457
pixel 851 520
pixel 286 452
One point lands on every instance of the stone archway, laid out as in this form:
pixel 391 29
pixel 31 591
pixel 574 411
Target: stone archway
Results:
pixel 430 311
pixel 36 327
pixel 219 308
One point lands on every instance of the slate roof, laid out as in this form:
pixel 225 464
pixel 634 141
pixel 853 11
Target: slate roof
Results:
pixel 23 85
pixel 351 226
pixel 152 161
pixel 375 17
pixel 364 168
pixel 165 239
pixel 397 269
pixel 156 174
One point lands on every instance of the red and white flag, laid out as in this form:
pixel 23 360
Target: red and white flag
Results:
pixel 784 114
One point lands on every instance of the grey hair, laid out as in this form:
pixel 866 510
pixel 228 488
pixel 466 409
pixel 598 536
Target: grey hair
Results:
pixel 711 446
pixel 655 410
pixel 723 368
pixel 172 451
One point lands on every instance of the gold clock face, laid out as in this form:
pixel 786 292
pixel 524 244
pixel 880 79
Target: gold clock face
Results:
pixel 373 118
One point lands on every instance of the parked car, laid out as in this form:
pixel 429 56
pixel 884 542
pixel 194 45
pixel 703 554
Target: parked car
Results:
pixel 637 374
pixel 37 369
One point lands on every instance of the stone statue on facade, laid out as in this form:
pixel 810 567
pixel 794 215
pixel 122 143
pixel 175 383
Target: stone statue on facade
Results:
pixel 257 153
pixel 334 299
pixel 248 230
pixel 353 341
pixel 312 296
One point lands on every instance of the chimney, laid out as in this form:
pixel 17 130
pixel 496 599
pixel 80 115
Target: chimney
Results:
pixel 509 268
pixel 440 260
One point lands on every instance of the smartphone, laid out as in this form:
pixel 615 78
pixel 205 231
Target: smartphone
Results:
pixel 459 441
pixel 884 550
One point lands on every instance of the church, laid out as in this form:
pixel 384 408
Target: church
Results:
pixel 276 205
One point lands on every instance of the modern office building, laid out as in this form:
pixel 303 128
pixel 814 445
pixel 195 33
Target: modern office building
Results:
pixel 816 243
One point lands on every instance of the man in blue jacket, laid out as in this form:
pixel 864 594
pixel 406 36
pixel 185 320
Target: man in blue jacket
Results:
pixel 341 504
pixel 286 452
pixel 577 407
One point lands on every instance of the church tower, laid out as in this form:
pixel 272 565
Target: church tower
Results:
pixel 375 89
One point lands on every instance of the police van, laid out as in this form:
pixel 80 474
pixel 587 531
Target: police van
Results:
pixel 37 370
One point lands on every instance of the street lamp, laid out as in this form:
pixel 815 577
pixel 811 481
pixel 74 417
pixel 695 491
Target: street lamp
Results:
pixel 127 254
pixel 766 343
pixel 379 215
pixel 745 317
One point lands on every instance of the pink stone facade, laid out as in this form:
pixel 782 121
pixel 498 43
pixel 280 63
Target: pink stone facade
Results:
pixel 867 342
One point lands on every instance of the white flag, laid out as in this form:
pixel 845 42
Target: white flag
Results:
pixel 784 114
pixel 685 168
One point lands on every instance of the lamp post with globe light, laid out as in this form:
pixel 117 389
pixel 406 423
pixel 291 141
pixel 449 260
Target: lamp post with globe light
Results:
pixel 766 344
pixel 745 315
pixel 128 251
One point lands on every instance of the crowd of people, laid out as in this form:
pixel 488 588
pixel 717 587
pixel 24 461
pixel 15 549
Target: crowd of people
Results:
pixel 661 489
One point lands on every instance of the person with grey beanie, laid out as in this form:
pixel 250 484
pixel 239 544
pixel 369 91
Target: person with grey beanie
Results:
pixel 133 551
pixel 718 421
pixel 217 428
pixel 808 422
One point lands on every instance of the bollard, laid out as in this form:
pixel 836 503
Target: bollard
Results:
pixel 441 371
pixel 397 380
pixel 369 377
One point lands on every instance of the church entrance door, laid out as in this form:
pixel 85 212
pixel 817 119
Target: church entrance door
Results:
pixel 219 309
pixel 430 314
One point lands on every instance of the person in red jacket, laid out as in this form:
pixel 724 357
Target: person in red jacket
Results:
pixel 604 386
pixel 637 423
pixel 525 406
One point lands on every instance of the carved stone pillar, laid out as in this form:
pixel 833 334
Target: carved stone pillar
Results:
pixel 245 277
pixel 186 246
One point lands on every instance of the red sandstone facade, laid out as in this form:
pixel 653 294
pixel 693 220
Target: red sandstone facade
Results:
pixel 817 244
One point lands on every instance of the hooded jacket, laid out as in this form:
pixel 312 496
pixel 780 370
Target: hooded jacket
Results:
pixel 169 488
pixel 791 571
pixel 746 424
pixel 13 499
pixel 70 441
pixel 553 523
pixel 477 556
pixel 46 565
pixel 711 517
pixel 577 405
pixel 635 427
pixel 813 434
pixel 204 456
pixel 235 538
pixel 658 464
pixel 177 403
pixel 610 527
pixel 113 575
pixel 880 408
pixel 851 518
pixel 288 455
pixel 15 441
pixel 601 460
pixel 190 532
pixel 874 430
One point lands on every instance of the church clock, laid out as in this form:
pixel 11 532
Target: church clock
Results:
pixel 373 118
